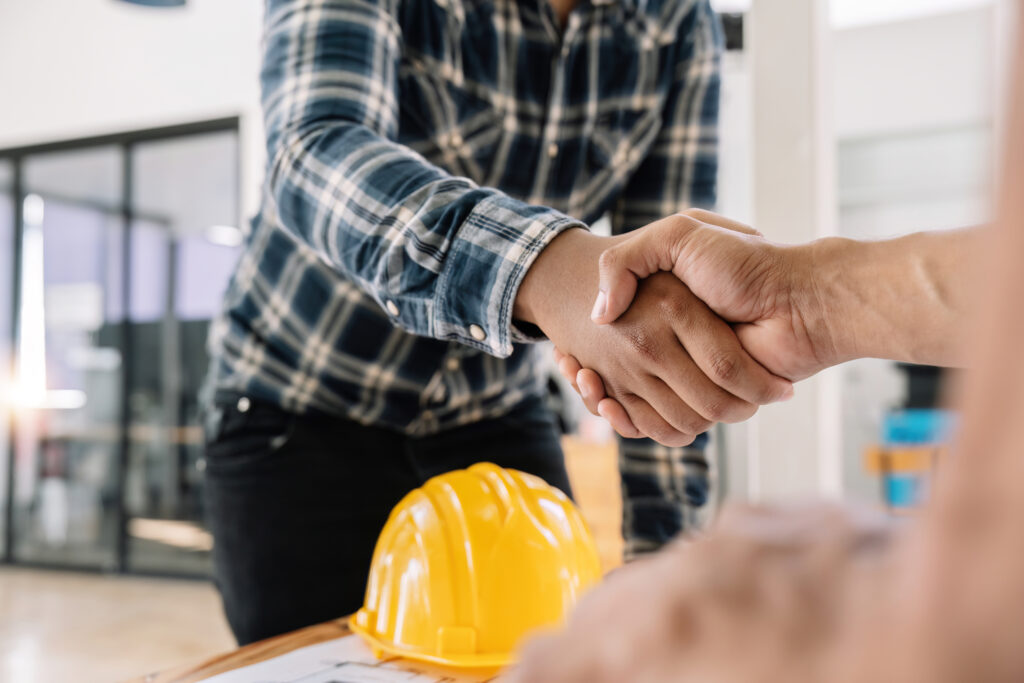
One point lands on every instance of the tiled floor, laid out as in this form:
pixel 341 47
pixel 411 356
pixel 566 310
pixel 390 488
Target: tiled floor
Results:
pixel 87 628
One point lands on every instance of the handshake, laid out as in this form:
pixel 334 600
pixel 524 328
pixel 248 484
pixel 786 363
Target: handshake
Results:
pixel 697 319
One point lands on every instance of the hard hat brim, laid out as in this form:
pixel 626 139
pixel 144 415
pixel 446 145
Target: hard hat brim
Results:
pixel 484 661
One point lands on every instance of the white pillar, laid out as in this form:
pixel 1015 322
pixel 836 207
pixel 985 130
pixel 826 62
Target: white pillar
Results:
pixel 795 448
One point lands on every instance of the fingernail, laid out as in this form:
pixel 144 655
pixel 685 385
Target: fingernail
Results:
pixel 788 394
pixel 583 387
pixel 600 306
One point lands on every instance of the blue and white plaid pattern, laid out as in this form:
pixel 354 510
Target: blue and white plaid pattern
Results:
pixel 421 153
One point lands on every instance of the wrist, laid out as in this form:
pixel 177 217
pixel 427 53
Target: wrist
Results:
pixel 824 300
pixel 566 266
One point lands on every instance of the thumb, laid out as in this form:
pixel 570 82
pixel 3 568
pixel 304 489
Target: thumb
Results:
pixel 617 285
pixel 652 249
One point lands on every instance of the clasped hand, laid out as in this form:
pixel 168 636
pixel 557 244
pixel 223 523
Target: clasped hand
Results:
pixel 669 365
pixel 746 319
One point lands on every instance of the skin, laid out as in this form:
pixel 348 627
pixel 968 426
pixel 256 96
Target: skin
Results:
pixel 673 366
pixel 796 309
pixel 805 595
pixel 562 9
pixel 704 605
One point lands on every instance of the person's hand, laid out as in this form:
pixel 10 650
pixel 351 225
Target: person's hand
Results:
pixel 672 365
pixel 765 289
pixel 761 598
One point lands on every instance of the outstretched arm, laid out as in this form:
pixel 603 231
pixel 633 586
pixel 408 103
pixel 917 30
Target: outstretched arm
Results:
pixel 902 299
pixel 798 309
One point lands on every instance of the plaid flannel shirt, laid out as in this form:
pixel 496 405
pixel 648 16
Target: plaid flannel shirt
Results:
pixel 421 154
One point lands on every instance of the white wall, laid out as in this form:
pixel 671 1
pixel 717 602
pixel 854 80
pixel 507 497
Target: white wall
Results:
pixel 931 72
pixel 916 112
pixel 913 110
pixel 72 68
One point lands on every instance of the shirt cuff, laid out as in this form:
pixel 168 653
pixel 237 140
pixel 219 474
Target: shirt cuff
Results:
pixel 492 252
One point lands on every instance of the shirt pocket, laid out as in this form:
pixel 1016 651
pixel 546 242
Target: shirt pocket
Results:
pixel 454 125
pixel 618 145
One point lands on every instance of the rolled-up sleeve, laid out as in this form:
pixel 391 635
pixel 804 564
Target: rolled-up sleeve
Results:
pixel 443 256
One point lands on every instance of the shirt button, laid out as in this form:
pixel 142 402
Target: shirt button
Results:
pixel 477 332
pixel 452 364
pixel 243 404
pixel 392 307
pixel 553 150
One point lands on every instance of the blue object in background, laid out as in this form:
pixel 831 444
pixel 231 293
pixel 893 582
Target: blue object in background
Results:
pixel 917 427
pixel 904 490
pixel 913 428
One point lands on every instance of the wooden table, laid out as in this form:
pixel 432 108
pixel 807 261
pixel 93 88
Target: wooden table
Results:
pixel 250 654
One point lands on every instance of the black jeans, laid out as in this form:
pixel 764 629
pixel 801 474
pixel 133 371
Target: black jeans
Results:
pixel 295 503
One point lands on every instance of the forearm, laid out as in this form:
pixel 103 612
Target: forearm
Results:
pixel 442 256
pixel 906 299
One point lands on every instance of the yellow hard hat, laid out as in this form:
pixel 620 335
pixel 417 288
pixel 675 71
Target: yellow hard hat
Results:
pixel 471 562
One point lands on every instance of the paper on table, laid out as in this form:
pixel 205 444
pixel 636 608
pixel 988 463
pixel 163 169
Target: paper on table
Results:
pixel 343 660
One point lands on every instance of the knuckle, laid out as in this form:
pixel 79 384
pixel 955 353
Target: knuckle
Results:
pixel 609 259
pixel 698 425
pixel 687 421
pixel 725 368
pixel 718 408
pixel 723 407
pixel 671 305
pixel 663 434
pixel 643 344
pixel 628 399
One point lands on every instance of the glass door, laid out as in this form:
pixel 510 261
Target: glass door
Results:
pixel 114 255
pixel 186 204
pixel 68 369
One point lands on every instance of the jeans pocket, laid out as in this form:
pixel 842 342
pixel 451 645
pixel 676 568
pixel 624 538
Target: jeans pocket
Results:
pixel 248 440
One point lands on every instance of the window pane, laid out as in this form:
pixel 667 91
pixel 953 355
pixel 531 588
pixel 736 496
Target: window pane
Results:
pixel 184 248
pixel 69 364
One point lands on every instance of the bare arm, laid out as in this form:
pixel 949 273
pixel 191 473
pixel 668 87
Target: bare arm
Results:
pixel 906 299
pixel 798 309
